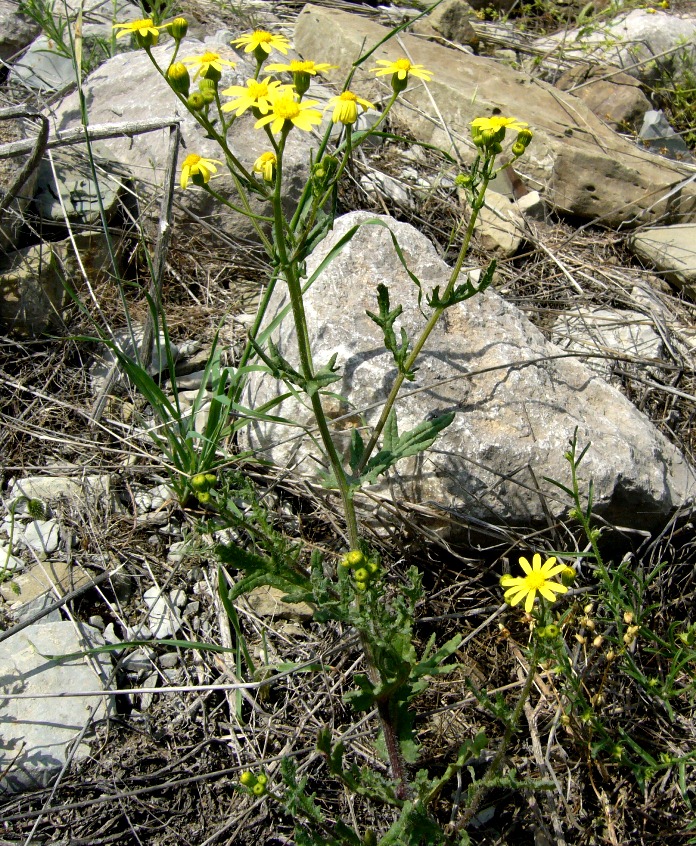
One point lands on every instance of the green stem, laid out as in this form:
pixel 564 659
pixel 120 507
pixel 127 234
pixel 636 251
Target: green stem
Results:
pixel 430 325
pixel 292 277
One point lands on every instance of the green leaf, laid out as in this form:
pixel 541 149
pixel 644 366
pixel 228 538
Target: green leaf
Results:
pixel 385 320
pixel 462 292
pixel 411 443
pixel 260 570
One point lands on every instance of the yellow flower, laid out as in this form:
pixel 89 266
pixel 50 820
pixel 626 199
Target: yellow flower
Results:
pixel 263 41
pixel 144 29
pixel 537 578
pixel 265 165
pixel 204 63
pixel 346 107
pixel 286 108
pixel 493 124
pixel 298 66
pixel 402 68
pixel 255 95
pixel 197 169
pixel 142 26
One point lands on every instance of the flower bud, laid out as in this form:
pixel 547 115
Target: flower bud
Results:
pixel 552 631
pixel 524 137
pixel 178 28
pixel 199 482
pixel 372 567
pixel 398 85
pixel 262 778
pixel 148 39
pixel 178 77
pixel 361 586
pixel 354 558
pixel 301 80
pixel 361 575
pixel 258 789
pixel 598 641
pixel 518 149
pixel 203 497
pixel 210 478
pixel 247 779
pixel 195 102
pixel 628 617
pixel 568 576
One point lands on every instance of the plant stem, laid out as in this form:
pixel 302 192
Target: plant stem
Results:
pixel 430 325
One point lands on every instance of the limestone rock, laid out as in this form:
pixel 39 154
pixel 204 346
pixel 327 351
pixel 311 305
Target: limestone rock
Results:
pixel 605 332
pixel 578 164
pixel 77 490
pixel 40 579
pixel 265 601
pixel 16 30
pixel 36 734
pixel 32 295
pixel 517 399
pixel 450 20
pixel 630 41
pixel 672 250
pixel 614 97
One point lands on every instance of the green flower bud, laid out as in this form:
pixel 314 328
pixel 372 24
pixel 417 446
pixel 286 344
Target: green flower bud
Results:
pixel 524 137
pixel 178 28
pixel 518 149
pixel 212 73
pixel 372 567
pixel 206 84
pixel 203 497
pixel 195 102
pixel 361 575
pixel 354 558
pixel 462 180
pixel 178 77
pixel 208 96
pixel 199 482
pixel 552 631
pixel 247 778
pixel 568 576
pixel 262 778
pixel 210 478
pixel 258 789
pixel 361 586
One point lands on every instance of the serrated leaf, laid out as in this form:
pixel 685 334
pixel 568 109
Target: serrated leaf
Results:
pixel 462 292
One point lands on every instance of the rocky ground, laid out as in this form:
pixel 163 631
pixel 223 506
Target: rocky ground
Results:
pixel 96 548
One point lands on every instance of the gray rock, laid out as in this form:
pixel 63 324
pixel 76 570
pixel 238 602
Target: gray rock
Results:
pixel 658 135
pixel 614 97
pixel 607 332
pixel 42 536
pixel 40 580
pixel 168 661
pixel 79 490
pixel 672 250
pixel 629 41
pixel 164 617
pixel 126 343
pixel 36 734
pixel 16 30
pixel 575 160
pixel 451 21
pixel 12 220
pixel 32 294
pixel 516 402
pixel 265 601
pixel 138 661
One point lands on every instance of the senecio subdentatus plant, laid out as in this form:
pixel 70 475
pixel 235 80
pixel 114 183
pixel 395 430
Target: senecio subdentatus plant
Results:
pixel 354 592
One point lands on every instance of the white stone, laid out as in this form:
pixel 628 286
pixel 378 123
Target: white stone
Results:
pixel 164 617
pixel 9 563
pixel 39 732
pixel 43 536
pixel 517 398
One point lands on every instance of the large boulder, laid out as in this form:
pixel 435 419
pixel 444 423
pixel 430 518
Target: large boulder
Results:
pixel 575 160
pixel 17 30
pixel 517 398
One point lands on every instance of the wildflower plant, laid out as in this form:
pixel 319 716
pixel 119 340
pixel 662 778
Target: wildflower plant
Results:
pixel 354 590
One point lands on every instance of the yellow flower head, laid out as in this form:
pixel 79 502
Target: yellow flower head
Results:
pixel 345 107
pixel 287 108
pixel 256 94
pixel 144 29
pixel 298 66
pixel 265 165
pixel 206 63
pixel 262 41
pixel 402 68
pixel 538 578
pixel 197 170
pixel 493 124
